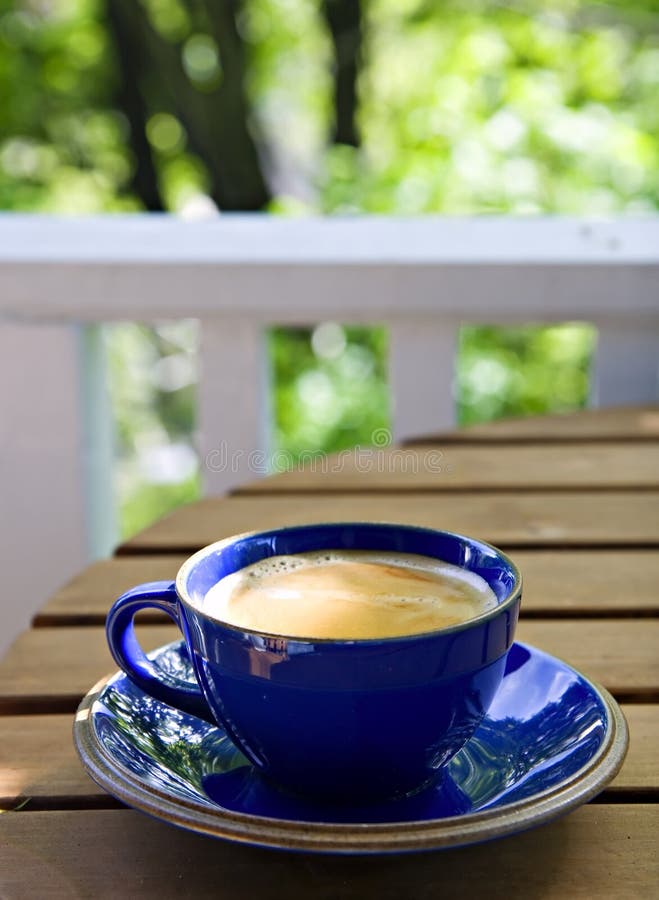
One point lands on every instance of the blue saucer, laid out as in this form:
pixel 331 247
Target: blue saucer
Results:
pixel 551 740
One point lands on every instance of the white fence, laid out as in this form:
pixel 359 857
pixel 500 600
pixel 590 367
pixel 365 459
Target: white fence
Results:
pixel 59 279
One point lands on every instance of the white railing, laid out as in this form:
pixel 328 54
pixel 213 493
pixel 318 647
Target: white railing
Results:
pixel 60 279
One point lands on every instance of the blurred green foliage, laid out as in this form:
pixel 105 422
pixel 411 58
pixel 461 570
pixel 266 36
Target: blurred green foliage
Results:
pixel 465 107
pixel 63 145
pixel 522 371
pixel 331 387
pixel 153 375
pixel 470 106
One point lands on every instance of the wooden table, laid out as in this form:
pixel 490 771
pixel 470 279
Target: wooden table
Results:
pixel 574 500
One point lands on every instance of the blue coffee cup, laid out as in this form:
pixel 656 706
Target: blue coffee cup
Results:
pixel 346 720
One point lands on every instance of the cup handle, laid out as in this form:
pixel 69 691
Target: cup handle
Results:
pixel 128 654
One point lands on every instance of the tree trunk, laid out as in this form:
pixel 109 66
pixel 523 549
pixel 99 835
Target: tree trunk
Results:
pixel 238 176
pixel 144 180
pixel 216 121
pixel 345 23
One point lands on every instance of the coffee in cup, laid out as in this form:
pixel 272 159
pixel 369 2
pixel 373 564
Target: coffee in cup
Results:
pixel 349 595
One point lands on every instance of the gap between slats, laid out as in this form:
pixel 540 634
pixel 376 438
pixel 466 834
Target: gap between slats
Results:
pixel 366 489
pixel 462 440
pixel 152 617
pixel 64 804
pixel 67 704
pixel 508 546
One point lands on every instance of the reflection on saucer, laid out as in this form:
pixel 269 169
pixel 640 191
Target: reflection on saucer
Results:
pixel 242 790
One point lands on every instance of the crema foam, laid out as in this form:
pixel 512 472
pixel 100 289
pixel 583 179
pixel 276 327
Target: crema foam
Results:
pixel 349 594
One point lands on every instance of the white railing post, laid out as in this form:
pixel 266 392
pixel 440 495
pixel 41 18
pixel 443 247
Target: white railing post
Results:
pixel 421 374
pixel 55 483
pixel 626 365
pixel 233 402
pixel 97 436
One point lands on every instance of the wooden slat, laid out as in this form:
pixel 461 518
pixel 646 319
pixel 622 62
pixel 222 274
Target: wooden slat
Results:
pixel 640 773
pixel 561 518
pixel 589 582
pixel 459 468
pixel 614 424
pixel 86 599
pixel 39 765
pixel 56 778
pixel 597 851
pixel 48 670
pixel 570 583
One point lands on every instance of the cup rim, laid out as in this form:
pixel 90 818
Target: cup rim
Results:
pixel 191 561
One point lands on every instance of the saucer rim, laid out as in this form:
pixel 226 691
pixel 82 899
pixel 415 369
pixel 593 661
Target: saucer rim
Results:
pixel 355 838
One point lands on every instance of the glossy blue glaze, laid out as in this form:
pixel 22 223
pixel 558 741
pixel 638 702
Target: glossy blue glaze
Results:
pixel 544 728
pixel 310 714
